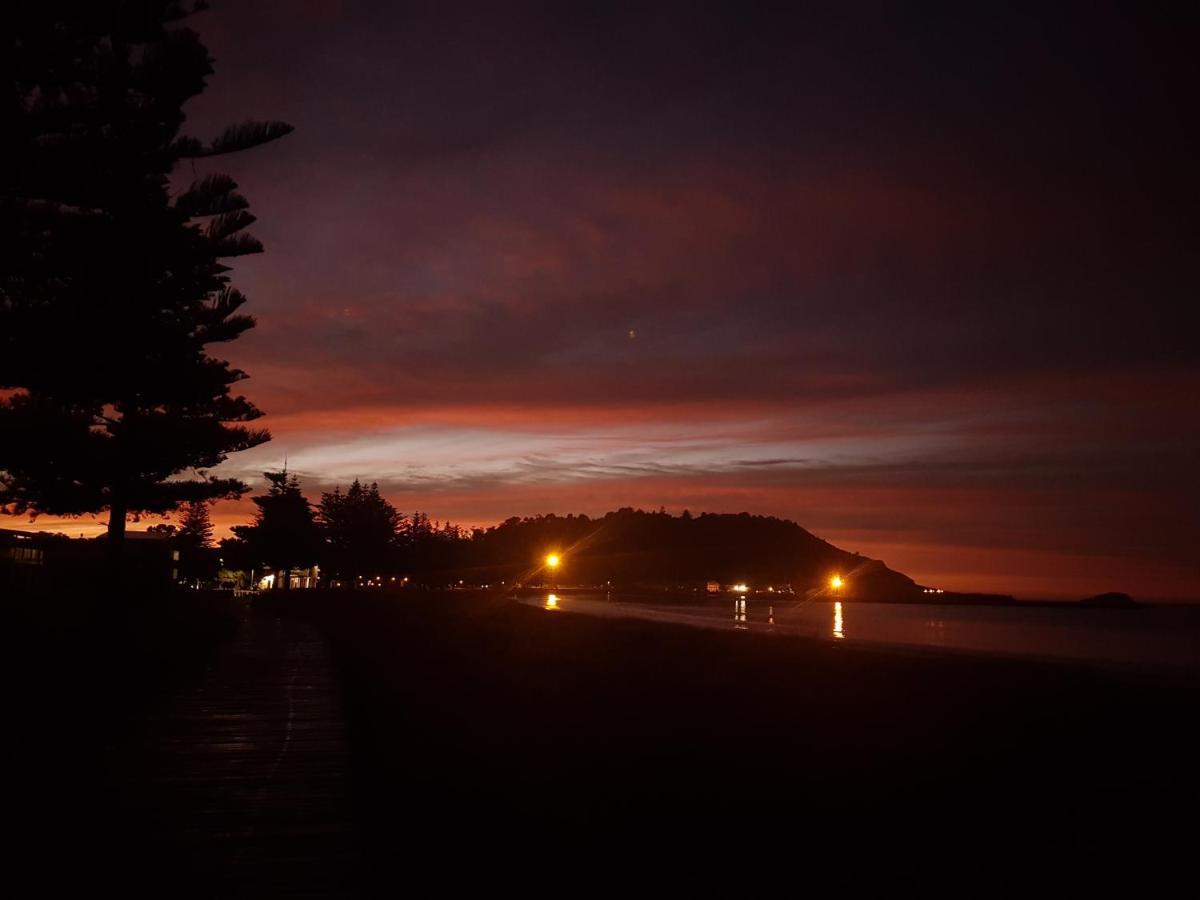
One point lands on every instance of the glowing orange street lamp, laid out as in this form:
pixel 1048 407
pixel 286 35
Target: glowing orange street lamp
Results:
pixel 553 561
pixel 836 582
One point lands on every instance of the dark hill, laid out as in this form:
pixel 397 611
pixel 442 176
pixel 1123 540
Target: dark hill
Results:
pixel 633 548
pixel 1112 599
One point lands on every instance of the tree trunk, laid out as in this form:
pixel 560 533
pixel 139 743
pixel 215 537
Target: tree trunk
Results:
pixel 114 551
pixel 117 512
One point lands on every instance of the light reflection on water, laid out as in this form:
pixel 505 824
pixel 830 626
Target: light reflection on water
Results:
pixel 551 601
pixel 739 614
pixel 839 630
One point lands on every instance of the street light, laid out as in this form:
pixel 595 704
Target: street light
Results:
pixel 553 561
pixel 836 582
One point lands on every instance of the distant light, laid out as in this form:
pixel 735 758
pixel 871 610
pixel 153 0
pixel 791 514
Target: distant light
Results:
pixel 836 582
pixel 552 601
pixel 552 560
pixel 741 588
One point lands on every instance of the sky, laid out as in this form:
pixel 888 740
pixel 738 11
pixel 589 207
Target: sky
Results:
pixel 921 279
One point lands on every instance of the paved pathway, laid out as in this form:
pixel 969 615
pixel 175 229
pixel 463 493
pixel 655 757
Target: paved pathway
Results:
pixel 241 786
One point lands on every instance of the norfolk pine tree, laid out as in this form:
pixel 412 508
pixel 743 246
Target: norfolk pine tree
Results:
pixel 194 539
pixel 284 534
pixel 111 290
pixel 362 531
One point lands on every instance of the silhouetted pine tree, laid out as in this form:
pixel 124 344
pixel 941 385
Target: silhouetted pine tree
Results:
pixel 284 535
pixel 361 529
pixel 198 559
pixel 419 528
pixel 195 525
pixel 110 289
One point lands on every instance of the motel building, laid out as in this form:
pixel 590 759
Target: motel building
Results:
pixel 301 579
pixel 45 561
pixel 742 588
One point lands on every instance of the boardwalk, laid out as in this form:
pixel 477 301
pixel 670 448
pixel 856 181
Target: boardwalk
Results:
pixel 240 787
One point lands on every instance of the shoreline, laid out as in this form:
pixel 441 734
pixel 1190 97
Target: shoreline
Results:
pixel 1168 671
pixel 947 598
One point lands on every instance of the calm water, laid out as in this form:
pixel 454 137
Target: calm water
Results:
pixel 1150 635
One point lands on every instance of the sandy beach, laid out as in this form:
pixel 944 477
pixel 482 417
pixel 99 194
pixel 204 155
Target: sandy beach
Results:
pixel 480 728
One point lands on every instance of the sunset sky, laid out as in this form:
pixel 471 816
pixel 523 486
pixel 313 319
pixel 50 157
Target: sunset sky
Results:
pixel 925 283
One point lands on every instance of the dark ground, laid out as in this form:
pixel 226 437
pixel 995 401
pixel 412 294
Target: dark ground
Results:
pixel 512 747
pixel 486 734
pixel 81 672
pixel 191 746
